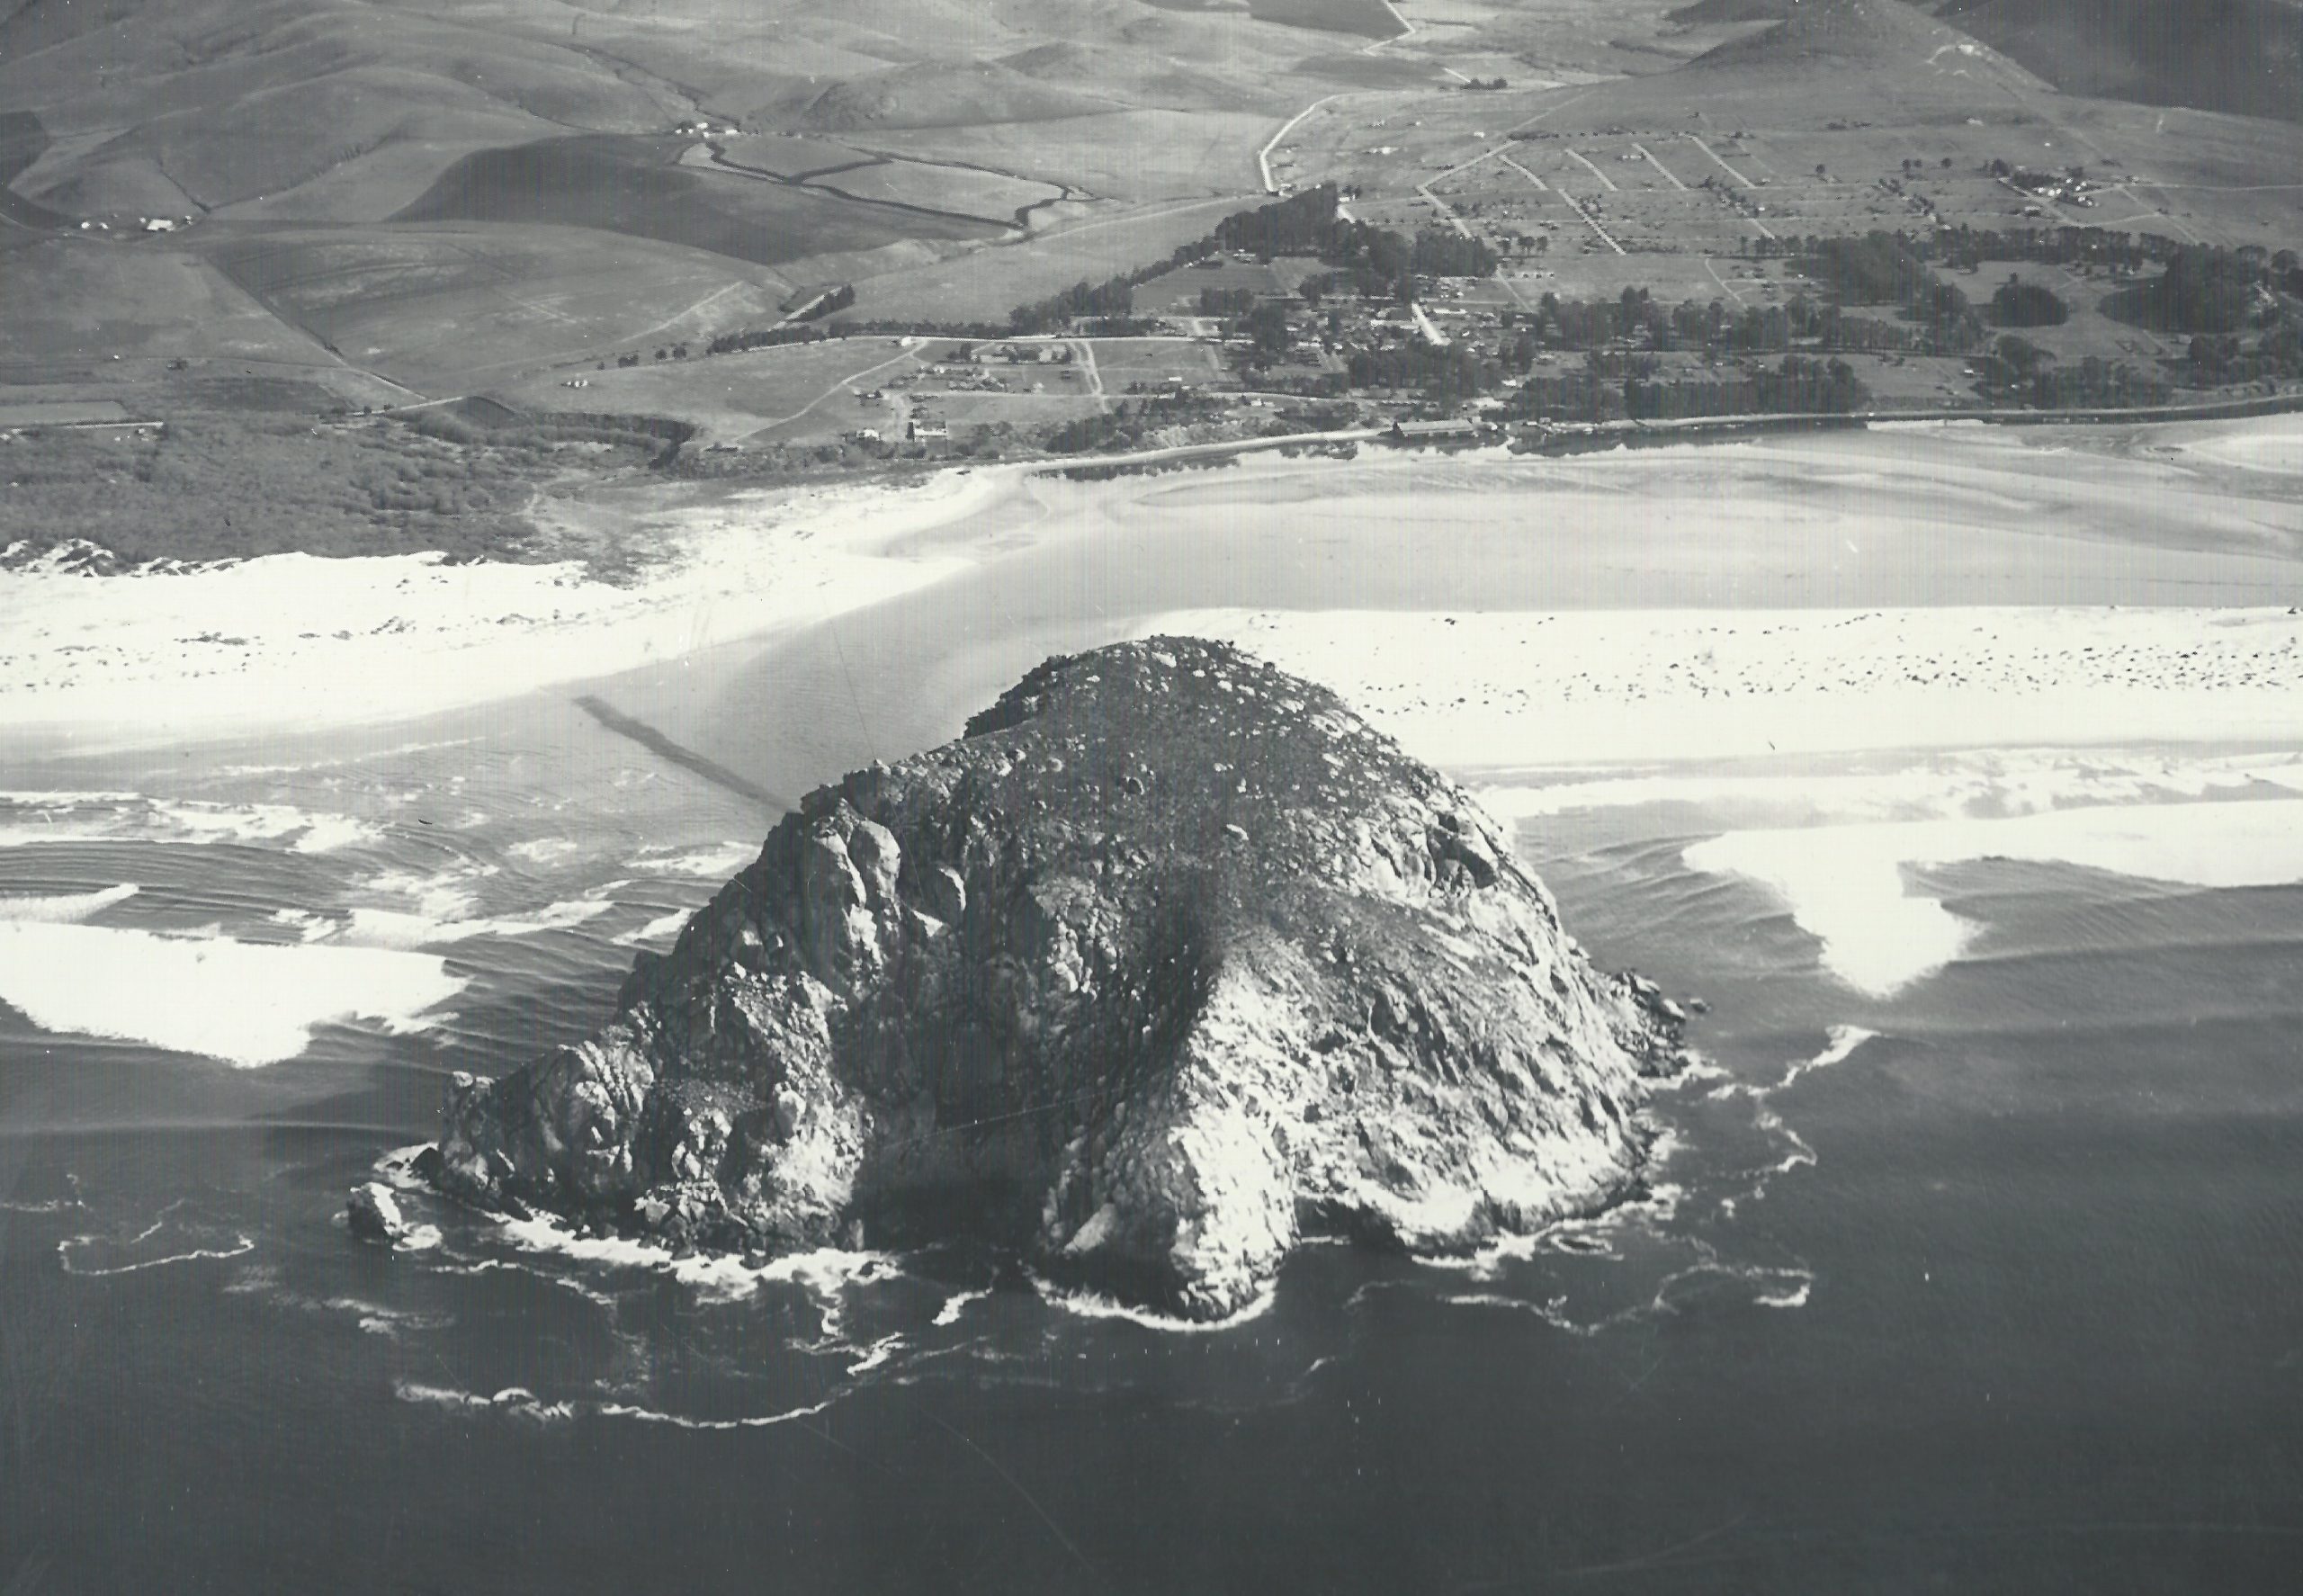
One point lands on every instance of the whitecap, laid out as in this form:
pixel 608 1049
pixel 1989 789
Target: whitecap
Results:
pixel 245 1003
pixel 1844 885
pixel 545 850
pixel 66 1250
pixel 29 819
pixel 1092 1305
pixel 64 908
pixel 517 1401
pixel 654 931
pixel 956 1304
pixel 714 863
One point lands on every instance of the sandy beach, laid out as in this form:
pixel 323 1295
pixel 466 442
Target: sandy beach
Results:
pixel 1933 587
pixel 292 643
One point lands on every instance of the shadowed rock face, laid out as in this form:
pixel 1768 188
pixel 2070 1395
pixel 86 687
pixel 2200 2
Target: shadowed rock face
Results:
pixel 1169 962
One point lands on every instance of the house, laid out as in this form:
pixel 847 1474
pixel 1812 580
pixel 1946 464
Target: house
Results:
pixel 1409 431
pixel 924 431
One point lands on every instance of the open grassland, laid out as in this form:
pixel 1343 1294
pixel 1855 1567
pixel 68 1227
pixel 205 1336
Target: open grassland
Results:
pixel 551 220
pixel 638 187
pixel 1124 362
pixel 445 309
pixel 217 487
pixel 984 285
pixel 733 396
pixel 1123 155
pixel 992 196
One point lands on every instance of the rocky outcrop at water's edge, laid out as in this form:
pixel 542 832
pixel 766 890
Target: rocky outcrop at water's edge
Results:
pixel 1168 963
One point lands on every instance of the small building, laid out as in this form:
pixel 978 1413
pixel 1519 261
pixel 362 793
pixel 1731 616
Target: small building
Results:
pixel 924 432
pixel 1412 432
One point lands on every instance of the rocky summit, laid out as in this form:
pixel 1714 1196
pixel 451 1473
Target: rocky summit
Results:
pixel 1169 962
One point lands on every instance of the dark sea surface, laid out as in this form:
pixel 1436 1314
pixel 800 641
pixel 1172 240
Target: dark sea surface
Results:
pixel 1992 1285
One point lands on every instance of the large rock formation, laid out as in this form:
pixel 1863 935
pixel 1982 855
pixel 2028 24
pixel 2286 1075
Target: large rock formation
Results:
pixel 1169 962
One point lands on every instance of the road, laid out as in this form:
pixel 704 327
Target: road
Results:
pixel 1660 166
pixel 1444 209
pixel 1263 156
pixel 1594 170
pixel 846 384
pixel 1592 222
pixel 1696 141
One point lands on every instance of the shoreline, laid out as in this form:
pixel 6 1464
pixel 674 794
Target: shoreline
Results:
pixel 295 645
pixel 1643 566
pixel 1615 688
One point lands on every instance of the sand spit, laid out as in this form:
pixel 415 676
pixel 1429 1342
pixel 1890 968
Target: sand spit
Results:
pixel 1620 593
pixel 1602 687
pixel 292 642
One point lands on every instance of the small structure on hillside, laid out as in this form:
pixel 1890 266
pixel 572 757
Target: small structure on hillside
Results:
pixel 1423 432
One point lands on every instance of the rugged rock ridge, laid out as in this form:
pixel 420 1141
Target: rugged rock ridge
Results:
pixel 1165 964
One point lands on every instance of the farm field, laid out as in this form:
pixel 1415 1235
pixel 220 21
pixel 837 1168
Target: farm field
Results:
pixel 733 396
pixel 1177 293
pixel 992 196
pixel 638 187
pixel 985 284
pixel 1141 155
pixel 1367 19
pixel 1151 361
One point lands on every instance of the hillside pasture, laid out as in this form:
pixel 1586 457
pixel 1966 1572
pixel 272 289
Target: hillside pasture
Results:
pixel 637 186
pixel 801 386
pixel 1364 19
pixel 1176 292
pixel 1123 154
pixel 993 196
pixel 70 300
pixel 985 284
pixel 1151 361
pixel 444 309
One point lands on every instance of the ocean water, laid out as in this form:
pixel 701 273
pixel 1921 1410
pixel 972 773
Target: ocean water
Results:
pixel 1977 1268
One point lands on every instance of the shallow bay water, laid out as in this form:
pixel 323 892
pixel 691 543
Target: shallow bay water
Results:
pixel 1983 1277
pixel 1990 1284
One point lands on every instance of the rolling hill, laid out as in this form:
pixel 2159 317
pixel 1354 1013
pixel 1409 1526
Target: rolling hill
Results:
pixel 2244 56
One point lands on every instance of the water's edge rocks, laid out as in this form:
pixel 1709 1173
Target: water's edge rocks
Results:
pixel 1167 962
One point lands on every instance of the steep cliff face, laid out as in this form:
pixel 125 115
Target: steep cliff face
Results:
pixel 1167 962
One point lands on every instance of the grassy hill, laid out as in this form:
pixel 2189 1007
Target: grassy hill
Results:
pixel 2239 56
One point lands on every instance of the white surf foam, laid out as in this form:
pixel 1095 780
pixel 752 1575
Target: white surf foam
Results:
pixel 1092 1305
pixel 517 1401
pixel 1844 883
pixel 245 1003
pixel 655 930
pixel 956 1304
pixel 708 864
pixel 29 819
pixel 67 909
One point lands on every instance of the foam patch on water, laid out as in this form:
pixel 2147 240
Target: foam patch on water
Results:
pixel 655 930
pixel 1094 1304
pixel 246 1003
pixel 545 850
pixel 1982 786
pixel 170 1239
pixel 386 927
pixel 1844 885
pixel 66 908
pixel 29 819
pixel 514 1401
pixel 707 864
pixel 956 1304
